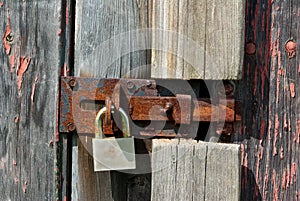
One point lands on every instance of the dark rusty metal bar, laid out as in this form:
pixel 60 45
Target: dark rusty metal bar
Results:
pixel 83 97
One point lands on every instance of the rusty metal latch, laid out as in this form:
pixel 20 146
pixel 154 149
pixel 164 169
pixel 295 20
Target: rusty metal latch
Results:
pixel 82 98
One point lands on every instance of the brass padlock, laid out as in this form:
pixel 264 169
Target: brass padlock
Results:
pixel 113 153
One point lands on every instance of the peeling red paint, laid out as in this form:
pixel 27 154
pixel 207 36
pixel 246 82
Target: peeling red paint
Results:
pixel 67 15
pixel 25 187
pixel 294 172
pixel 277 8
pixel 14 162
pixel 7 46
pixel 292 89
pixel 24 63
pixel 17 119
pixel 276 131
pixel 281 153
pixel 291 47
pixel 33 88
pixel 266 182
pixel 65 198
pixel 1 4
pixel 59 32
pixel 275 192
pixel 283 182
pixel 12 63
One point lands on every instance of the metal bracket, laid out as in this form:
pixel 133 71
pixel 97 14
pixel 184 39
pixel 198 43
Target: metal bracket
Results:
pixel 81 98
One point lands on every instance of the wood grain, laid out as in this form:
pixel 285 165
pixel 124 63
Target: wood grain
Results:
pixel 29 68
pixel 108 45
pixel 187 170
pixel 200 39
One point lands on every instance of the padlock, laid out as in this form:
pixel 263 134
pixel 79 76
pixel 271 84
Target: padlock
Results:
pixel 112 153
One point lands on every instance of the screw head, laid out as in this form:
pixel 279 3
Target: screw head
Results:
pixel 72 82
pixel 71 127
pixel 9 38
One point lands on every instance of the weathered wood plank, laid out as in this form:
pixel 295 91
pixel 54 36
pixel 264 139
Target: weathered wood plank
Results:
pixel 223 172
pixel 187 170
pixel 29 68
pixel 208 43
pixel 108 45
pixel 270 95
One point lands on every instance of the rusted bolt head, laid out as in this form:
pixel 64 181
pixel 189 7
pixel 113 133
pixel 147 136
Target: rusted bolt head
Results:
pixel 9 38
pixel 72 82
pixel 250 48
pixel 291 47
pixel 71 127
pixel 130 85
pixel 149 84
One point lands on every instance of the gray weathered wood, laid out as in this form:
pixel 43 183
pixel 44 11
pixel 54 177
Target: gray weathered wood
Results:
pixel 29 69
pixel 209 40
pixel 187 170
pixel 223 172
pixel 105 47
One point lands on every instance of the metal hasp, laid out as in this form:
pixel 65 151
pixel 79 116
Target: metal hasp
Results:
pixel 82 98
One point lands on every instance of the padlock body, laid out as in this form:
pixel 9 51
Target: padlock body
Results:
pixel 113 154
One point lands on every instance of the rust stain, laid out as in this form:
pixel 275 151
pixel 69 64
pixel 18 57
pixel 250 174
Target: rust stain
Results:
pixel 24 63
pixel 25 187
pixel 292 89
pixel 33 88
pixel 7 46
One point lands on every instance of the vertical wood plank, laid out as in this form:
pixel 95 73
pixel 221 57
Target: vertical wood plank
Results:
pixel 29 68
pixel 222 172
pixel 224 39
pixel 107 44
pixel 187 170
pixel 200 39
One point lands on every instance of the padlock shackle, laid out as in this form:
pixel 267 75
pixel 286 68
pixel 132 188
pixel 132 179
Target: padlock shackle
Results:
pixel 98 122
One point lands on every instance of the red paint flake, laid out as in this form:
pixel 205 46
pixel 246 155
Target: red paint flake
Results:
pixel 14 162
pixel 279 59
pixel 12 63
pixel 24 62
pixel 276 131
pixel 277 8
pixel 288 176
pixel 266 182
pixel 17 119
pixel 292 89
pixel 33 88
pixel 25 187
pixel 67 15
pixel 65 198
pixel 294 172
pixel 281 153
pixel 299 69
pixel 1 4
pixel 7 46
pixel 275 193
pixel 59 32
pixel 283 182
